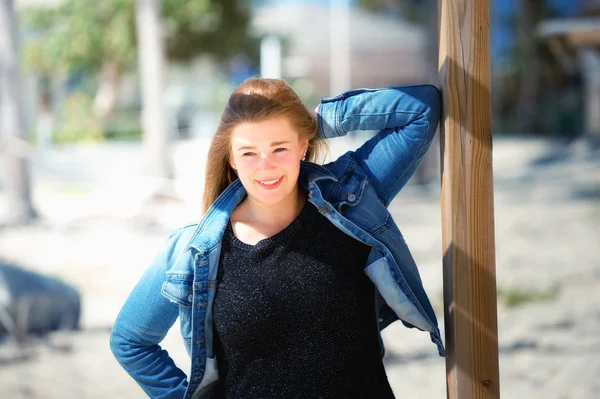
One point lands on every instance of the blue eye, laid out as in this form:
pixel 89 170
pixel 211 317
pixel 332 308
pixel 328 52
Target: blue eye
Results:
pixel 280 149
pixel 247 154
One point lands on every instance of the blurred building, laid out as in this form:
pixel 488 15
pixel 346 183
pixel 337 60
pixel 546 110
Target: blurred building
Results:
pixel 383 51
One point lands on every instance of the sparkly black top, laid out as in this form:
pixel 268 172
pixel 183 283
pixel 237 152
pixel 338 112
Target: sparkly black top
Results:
pixel 294 316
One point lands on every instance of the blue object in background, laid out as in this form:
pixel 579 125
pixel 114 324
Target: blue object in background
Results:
pixel 34 303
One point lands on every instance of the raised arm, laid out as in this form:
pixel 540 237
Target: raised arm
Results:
pixel 406 119
pixel 142 324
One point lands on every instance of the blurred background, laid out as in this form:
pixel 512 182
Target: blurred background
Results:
pixel 106 112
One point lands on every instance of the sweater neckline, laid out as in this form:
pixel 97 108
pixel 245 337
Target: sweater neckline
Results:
pixel 294 226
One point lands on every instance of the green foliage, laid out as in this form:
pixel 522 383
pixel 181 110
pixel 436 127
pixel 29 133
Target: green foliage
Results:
pixel 79 122
pixel 215 27
pixel 83 34
pixel 124 124
pixel 513 297
pixel 409 10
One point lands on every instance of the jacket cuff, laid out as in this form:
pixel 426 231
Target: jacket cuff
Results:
pixel 327 118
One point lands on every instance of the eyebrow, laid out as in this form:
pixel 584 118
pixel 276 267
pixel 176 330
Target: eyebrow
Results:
pixel 273 144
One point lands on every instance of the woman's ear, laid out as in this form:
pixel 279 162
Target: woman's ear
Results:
pixel 304 150
pixel 304 146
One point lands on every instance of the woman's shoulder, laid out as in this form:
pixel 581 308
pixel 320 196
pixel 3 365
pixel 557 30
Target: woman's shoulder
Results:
pixel 177 255
pixel 180 237
pixel 183 229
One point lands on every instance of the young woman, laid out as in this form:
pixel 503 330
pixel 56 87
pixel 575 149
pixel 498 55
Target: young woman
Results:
pixel 283 287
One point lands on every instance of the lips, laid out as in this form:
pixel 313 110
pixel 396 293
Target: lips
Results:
pixel 269 182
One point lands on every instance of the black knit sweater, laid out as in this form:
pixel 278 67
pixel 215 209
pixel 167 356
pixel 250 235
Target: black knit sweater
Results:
pixel 294 316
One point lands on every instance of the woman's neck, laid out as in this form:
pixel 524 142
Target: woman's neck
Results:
pixel 253 221
pixel 275 215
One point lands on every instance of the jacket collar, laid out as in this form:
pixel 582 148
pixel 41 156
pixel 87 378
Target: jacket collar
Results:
pixel 313 173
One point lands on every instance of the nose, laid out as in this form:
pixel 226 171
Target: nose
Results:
pixel 266 162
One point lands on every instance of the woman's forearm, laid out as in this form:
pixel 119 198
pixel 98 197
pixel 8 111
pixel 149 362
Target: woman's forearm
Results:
pixel 377 109
pixel 150 366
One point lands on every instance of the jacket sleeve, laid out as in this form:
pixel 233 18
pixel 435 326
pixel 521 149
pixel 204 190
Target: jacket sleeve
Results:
pixel 141 325
pixel 405 119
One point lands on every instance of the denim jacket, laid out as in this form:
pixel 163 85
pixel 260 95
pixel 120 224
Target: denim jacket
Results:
pixel 353 192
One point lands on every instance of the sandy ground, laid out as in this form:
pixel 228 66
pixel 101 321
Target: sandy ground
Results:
pixel 99 232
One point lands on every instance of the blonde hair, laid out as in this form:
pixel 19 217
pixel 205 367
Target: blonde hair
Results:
pixel 255 100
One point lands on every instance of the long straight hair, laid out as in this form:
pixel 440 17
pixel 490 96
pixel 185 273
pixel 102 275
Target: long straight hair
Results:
pixel 256 100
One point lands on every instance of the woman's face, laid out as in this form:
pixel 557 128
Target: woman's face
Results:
pixel 266 156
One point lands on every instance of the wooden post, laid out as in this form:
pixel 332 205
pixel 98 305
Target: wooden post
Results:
pixel 467 201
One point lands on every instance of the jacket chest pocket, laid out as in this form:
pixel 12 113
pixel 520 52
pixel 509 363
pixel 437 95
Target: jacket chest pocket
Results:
pixel 179 288
pixel 350 190
pixel 363 207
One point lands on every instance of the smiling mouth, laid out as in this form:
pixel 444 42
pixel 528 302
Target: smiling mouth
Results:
pixel 269 182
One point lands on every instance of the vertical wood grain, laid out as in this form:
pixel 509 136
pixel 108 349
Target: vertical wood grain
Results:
pixel 467 201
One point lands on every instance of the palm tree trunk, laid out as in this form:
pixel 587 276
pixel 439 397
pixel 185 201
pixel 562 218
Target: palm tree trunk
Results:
pixel 14 144
pixel 105 100
pixel 151 66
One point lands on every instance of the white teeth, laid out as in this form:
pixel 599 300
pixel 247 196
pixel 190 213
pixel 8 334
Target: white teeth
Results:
pixel 270 182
